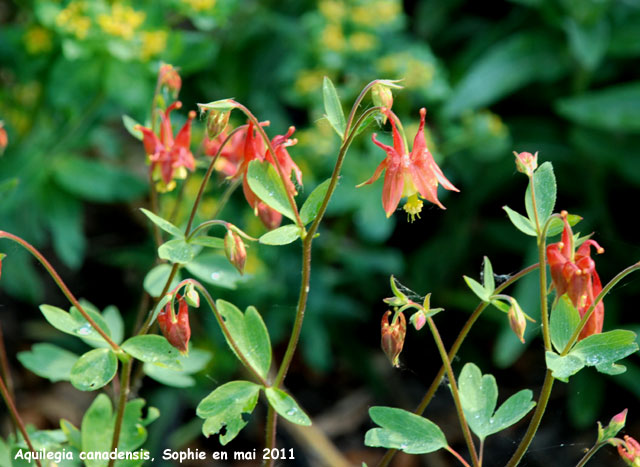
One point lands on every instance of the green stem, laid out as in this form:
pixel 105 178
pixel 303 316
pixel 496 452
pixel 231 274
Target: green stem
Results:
pixel 125 378
pixel 541 406
pixel 306 273
pixel 606 289
pixel 60 283
pixel 386 459
pixel 589 454
pixel 157 235
pixel 454 391
pixel 15 416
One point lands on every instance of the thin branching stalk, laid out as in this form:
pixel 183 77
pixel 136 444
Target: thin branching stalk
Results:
pixel 125 378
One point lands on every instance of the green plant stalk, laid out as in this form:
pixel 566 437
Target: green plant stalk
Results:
pixel 454 391
pixel 386 459
pixel 548 380
pixel 589 454
pixel 60 283
pixel 605 290
pixel 15 416
pixel 306 269
pixel 5 373
pixel 270 148
pixel 125 378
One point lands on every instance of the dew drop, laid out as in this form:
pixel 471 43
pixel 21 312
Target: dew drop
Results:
pixel 215 276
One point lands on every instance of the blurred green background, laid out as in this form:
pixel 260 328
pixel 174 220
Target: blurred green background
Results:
pixel 556 76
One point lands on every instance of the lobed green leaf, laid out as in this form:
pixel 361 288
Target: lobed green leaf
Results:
pixel 154 349
pixel 94 369
pixel 286 406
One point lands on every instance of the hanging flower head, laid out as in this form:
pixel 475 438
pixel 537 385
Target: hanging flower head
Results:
pixel 411 175
pixel 169 157
pixel 574 272
pixel 176 327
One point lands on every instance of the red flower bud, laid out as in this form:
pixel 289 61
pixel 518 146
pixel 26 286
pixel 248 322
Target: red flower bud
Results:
pixel 393 336
pixel 169 78
pixel 4 139
pixel 526 162
pixel 629 451
pixel 517 320
pixel 176 328
pixel 235 250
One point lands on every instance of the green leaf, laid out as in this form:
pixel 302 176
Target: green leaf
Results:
pixel 250 335
pixel 94 369
pixel 114 321
pixel 508 65
pixel 95 181
pixel 588 43
pixel 332 107
pixel 405 431
pixel 545 187
pixel 477 289
pixel 312 204
pixel 133 432
pixel 97 429
pixel 556 225
pixel 224 408
pixel 153 349
pixel 49 361
pixel 282 235
pixel 129 124
pixel 195 361
pixel 479 395
pixel 74 438
pixel 214 269
pixel 521 223
pixel 286 406
pixel 206 241
pixel 74 323
pixel 489 281
pixel 265 182
pixel 222 105
pixel 598 350
pixel 178 251
pixel 156 279
pixel 622 104
pixel 564 320
pixel 163 224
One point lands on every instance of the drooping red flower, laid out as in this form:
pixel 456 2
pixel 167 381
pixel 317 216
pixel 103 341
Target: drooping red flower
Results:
pixel 176 327
pixel 409 174
pixel 392 336
pixel 169 157
pixel 629 451
pixel 574 272
pixel 168 77
pixel 4 139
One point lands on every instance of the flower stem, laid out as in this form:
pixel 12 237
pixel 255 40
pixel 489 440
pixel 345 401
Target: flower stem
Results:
pixel 306 273
pixel 65 290
pixel 15 416
pixel 457 456
pixel 5 372
pixel 125 378
pixel 454 391
pixel 386 459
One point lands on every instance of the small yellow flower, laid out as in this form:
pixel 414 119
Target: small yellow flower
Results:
pixel 200 5
pixel 418 74
pixel 362 41
pixel 377 13
pixel 122 21
pixel 72 20
pixel 153 43
pixel 333 38
pixel 333 10
pixel 37 40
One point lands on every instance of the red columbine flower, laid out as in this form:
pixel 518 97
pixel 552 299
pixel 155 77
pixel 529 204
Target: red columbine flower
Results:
pixel 168 76
pixel 574 273
pixel 168 157
pixel 629 451
pixel 176 328
pixel 392 339
pixel 408 175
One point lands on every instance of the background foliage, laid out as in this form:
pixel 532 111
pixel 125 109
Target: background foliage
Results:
pixel 555 76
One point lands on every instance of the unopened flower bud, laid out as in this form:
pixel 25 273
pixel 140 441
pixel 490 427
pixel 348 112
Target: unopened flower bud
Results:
pixel 526 162
pixel 418 319
pixel 393 335
pixel 170 79
pixel 382 96
pixel 176 328
pixel 270 218
pixel 235 250
pixel 216 122
pixel 517 320
pixel 399 299
pixel 191 295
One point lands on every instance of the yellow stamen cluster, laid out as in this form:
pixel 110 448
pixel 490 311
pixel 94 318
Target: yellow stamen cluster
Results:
pixel 72 20
pixel 122 21
pixel 413 207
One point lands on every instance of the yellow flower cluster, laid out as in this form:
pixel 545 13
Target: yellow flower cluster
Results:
pixel 415 73
pixel 200 5
pixel 367 15
pixel 37 40
pixel 122 21
pixel 73 20
pixel 153 43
